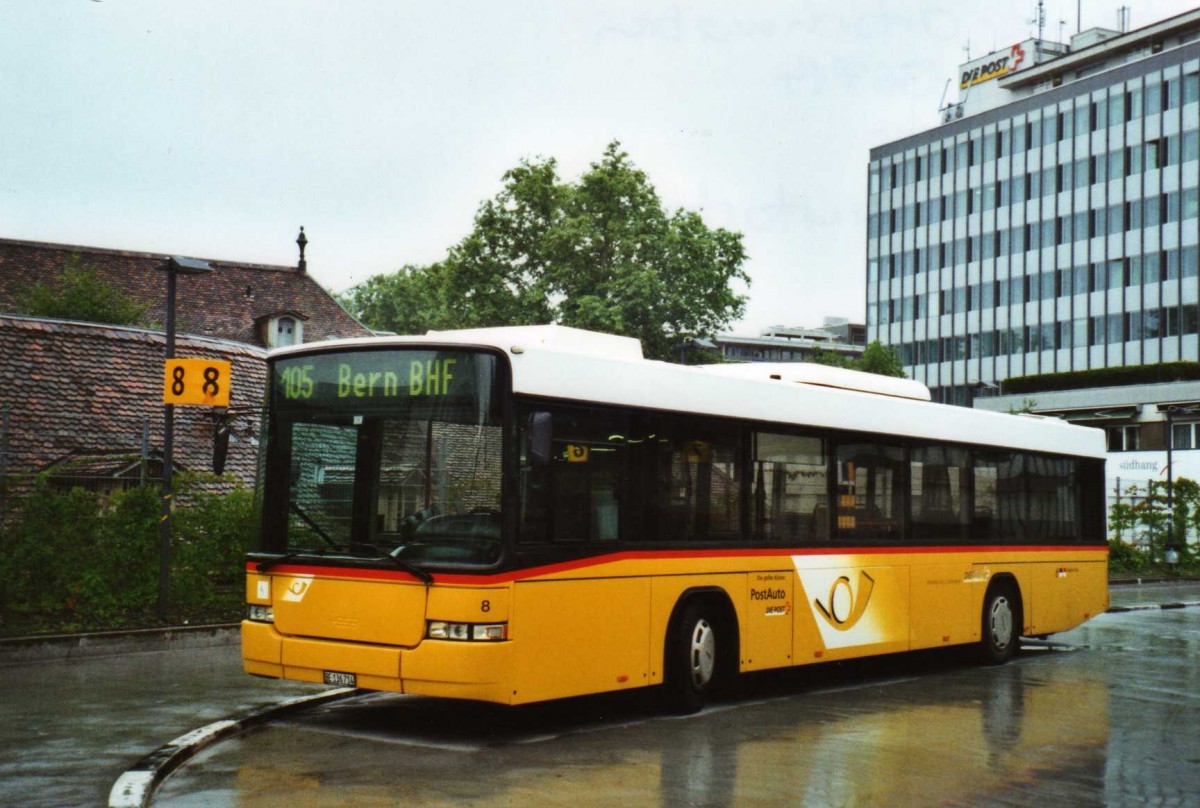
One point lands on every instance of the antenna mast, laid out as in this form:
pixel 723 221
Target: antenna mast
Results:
pixel 1123 19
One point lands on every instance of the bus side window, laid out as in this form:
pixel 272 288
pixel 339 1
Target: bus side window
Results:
pixel 534 476
pixel 1022 497
pixel 872 493
pixel 1053 505
pixel 686 480
pixel 574 495
pixel 790 489
pixel 940 478
pixel 585 478
pixel 1001 499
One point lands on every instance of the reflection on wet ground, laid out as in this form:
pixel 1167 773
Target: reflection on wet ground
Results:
pixel 1099 716
pixel 1105 714
pixel 68 728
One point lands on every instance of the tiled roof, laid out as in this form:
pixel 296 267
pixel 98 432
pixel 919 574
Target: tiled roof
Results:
pixel 77 389
pixel 226 303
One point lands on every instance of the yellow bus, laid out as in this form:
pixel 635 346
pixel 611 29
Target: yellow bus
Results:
pixel 529 513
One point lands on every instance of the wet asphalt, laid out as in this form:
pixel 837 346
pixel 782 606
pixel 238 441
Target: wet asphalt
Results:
pixel 70 726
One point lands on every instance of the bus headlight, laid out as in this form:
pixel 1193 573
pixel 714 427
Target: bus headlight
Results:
pixel 467 632
pixel 262 614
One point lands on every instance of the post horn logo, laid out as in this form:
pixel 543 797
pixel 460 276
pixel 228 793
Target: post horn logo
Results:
pixel 845 605
pixel 1017 54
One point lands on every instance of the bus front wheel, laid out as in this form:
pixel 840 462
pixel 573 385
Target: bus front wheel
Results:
pixel 1001 624
pixel 693 646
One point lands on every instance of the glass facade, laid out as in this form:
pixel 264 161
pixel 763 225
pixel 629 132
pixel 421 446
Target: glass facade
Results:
pixel 1058 232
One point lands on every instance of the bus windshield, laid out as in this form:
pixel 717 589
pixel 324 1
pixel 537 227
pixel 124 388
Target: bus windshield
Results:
pixel 385 454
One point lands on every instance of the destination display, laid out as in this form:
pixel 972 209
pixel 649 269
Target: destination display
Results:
pixel 383 380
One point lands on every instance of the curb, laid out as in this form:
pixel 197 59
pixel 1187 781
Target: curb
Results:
pixel 41 647
pixel 1146 607
pixel 135 788
pixel 1152 579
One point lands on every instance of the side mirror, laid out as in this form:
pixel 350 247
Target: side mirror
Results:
pixel 541 432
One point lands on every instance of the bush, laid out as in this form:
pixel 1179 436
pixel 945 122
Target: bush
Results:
pixel 209 565
pixel 1124 557
pixel 42 553
pixel 1144 529
pixel 81 294
pixel 76 560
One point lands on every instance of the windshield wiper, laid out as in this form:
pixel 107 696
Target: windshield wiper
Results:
pixel 263 566
pixel 412 569
pixel 308 520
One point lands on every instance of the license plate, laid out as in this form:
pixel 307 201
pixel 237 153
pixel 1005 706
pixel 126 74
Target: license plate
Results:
pixel 341 679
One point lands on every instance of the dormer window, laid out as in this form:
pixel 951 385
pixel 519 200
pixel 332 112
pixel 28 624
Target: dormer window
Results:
pixel 282 329
pixel 287 329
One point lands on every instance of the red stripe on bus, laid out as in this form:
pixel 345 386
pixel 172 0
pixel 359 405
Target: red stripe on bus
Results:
pixel 650 555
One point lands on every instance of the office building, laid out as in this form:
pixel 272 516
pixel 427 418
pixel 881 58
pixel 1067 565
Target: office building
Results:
pixel 780 343
pixel 1049 222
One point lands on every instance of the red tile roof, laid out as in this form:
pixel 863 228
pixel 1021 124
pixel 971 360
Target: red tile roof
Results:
pixel 227 304
pixel 72 389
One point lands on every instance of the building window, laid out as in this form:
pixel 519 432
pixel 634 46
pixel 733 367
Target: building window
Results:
pixel 284 329
pixel 1124 438
pixel 1191 88
pixel 1183 436
pixel 1171 97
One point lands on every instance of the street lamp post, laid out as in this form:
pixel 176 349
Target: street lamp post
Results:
pixel 1171 551
pixel 174 266
pixel 1170 554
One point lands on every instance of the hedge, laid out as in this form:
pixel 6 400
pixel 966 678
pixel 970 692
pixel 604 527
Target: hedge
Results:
pixel 1102 377
pixel 76 560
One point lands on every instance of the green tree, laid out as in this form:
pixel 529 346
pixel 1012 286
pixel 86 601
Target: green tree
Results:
pixel 1153 521
pixel 600 253
pixel 875 359
pixel 880 360
pixel 80 294
pixel 404 301
pixel 831 358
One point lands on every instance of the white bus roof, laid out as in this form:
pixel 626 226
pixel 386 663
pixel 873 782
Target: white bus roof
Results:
pixel 571 364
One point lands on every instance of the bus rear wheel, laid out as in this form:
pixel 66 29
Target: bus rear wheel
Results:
pixel 1001 624
pixel 693 645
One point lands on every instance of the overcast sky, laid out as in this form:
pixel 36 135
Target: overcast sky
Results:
pixel 216 128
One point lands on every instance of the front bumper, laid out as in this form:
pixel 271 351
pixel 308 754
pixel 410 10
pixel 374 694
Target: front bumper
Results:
pixel 463 670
